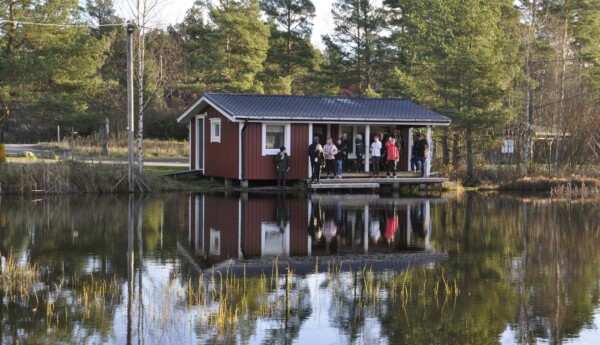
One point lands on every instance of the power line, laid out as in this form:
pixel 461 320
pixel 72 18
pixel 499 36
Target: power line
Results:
pixel 18 22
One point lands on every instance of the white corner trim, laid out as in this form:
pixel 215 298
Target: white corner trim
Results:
pixel 240 153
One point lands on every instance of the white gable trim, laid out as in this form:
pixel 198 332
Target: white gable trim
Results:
pixel 199 104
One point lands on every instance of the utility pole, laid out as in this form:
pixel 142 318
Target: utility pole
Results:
pixel 130 111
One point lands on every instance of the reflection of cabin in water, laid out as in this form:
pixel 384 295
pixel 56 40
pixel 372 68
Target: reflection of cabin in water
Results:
pixel 222 228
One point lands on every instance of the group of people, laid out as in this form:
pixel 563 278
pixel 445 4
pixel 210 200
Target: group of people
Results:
pixel 386 155
pixel 334 156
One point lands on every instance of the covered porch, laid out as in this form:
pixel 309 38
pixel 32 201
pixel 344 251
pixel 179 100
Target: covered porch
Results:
pixel 368 131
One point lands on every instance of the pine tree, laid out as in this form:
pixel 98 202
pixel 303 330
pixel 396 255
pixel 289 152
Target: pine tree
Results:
pixel 290 37
pixel 237 46
pixel 50 71
pixel 460 57
pixel 358 24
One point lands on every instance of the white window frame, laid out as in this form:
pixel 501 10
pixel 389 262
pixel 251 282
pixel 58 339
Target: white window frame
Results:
pixel 287 132
pixel 270 227
pixel 215 242
pixel 214 138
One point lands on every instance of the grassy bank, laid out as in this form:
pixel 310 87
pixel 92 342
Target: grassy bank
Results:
pixel 90 147
pixel 78 177
pixel 569 188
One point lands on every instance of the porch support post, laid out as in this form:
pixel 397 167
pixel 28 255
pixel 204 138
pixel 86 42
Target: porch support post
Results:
pixel 430 156
pixel 427 224
pixel 310 140
pixel 410 148
pixel 240 255
pixel 408 224
pixel 367 147
pixel 366 229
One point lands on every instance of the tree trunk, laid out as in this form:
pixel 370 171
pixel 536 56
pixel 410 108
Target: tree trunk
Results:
pixel 445 153
pixel 561 111
pixel 455 149
pixel 527 135
pixel 470 155
pixel 141 100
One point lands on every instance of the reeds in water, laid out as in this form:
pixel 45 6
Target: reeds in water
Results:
pixel 17 280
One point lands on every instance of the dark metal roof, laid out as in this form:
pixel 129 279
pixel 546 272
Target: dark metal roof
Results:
pixel 315 108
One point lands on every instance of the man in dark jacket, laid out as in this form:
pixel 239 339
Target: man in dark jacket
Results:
pixel 346 147
pixel 421 148
pixel 282 160
pixel 312 154
pixel 360 152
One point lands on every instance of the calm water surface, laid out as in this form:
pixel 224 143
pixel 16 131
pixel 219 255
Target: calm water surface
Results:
pixel 353 269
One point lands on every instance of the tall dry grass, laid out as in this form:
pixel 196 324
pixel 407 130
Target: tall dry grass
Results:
pixel 91 147
pixel 67 177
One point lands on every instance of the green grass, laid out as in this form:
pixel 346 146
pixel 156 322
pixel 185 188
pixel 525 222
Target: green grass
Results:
pixel 164 169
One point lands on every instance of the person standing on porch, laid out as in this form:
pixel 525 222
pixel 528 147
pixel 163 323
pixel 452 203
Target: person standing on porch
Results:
pixel 392 156
pixel 312 155
pixel 360 152
pixel 282 160
pixel 421 149
pixel 414 163
pixel 345 146
pixel 340 157
pixel 319 160
pixel 329 150
pixel 376 154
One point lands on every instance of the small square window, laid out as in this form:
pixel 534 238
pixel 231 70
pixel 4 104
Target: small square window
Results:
pixel 215 130
pixel 273 137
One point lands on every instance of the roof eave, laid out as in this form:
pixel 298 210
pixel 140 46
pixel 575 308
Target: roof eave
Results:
pixel 441 122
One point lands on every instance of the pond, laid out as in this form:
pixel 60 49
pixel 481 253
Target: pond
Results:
pixel 295 269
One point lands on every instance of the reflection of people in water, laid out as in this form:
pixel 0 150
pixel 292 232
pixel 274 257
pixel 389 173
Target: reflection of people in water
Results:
pixel 417 219
pixel 375 232
pixel 331 235
pixel 282 212
pixel 315 222
pixel 391 226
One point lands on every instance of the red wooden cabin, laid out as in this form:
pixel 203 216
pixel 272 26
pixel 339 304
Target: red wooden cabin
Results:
pixel 235 136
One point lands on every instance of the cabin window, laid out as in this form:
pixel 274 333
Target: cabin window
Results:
pixel 275 239
pixel 274 136
pixel 215 242
pixel 215 130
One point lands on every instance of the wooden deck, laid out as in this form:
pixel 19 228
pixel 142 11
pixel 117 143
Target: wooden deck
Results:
pixel 365 181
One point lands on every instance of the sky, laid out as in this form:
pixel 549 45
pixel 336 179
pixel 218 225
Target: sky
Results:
pixel 171 12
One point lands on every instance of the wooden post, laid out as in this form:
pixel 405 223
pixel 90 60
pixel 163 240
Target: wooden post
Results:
pixel 429 148
pixel 130 106
pixel 310 140
pixel 366 230
pixel 367 146
pixel 410 148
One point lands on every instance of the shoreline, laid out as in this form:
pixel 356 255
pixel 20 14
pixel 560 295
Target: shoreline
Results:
pixel 79 177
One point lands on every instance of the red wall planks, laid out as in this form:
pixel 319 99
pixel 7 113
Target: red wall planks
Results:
pixel 259 167
pixel 299 158
pixel 222 159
